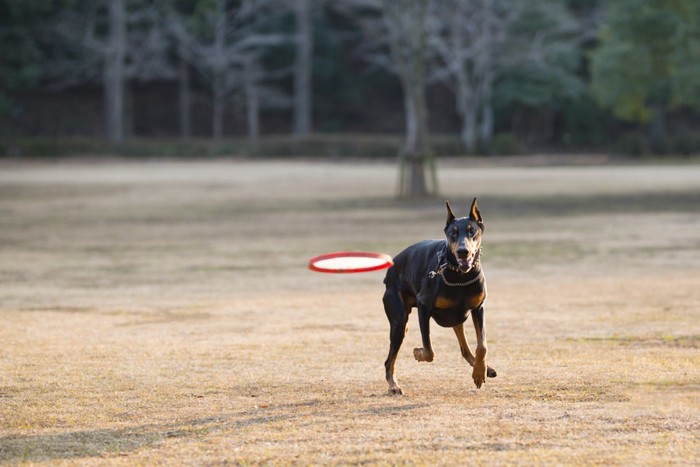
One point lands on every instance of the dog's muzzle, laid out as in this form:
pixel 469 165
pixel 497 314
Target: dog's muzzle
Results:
pixel 465 260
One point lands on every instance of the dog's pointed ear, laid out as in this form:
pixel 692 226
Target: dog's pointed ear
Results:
pixel 475 214
pixel 450 214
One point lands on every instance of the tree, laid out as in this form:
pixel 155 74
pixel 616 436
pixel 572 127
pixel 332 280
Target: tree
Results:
pixel 184 92
pixel 406 23
pixel 647 62
pixel 396 39
pixel 542 69
pixel 223 41
pixel 302 68
pixel 170 11
pixel 22 49
pixel 113 72
pixel 530 50
pixel 93 46
pixel 467 36
pixel 251 75
pixel 114 42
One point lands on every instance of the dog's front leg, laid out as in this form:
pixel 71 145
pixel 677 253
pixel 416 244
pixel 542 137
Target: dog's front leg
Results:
pixel 479 372
pixel 466 353
pixel 425 354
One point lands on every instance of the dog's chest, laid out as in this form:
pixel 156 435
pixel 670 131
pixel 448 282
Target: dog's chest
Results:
pixel 456 301
pixel 449 312
pixel 444 303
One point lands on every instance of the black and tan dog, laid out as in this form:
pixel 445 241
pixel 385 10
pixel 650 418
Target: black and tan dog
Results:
pixel 444 280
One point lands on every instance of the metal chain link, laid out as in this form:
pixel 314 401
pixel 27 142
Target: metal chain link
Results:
pixel 460 284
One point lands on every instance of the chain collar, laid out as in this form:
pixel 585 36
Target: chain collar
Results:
pixel 443 263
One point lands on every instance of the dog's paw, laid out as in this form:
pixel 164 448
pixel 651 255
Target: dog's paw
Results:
pixel 490 372
pixel 418 354
pixel 395 391
pixel 422 356
pixel 479 374
pixel 478 380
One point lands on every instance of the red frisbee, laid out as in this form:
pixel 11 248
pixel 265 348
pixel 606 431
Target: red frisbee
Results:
pixel 350 261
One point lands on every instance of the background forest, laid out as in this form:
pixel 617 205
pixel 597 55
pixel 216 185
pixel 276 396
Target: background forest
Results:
pixel 457 76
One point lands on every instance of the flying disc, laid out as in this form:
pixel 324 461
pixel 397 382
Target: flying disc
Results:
pixel 350 261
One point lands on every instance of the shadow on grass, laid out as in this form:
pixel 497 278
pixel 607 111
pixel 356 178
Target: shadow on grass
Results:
pixel 98 443
pixel 117 442
pixel 394 409
pixel 112 443
pixel 108 443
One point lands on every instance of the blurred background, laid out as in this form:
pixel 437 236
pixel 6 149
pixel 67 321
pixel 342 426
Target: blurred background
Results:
pixel 349 77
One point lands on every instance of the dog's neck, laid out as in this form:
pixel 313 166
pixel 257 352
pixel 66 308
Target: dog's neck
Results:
pixel 452 263
pixel 458 280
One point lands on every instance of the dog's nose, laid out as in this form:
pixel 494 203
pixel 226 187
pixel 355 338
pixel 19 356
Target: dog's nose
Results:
pixel 462 252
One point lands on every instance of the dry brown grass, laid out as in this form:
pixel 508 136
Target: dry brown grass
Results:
pixel 161 313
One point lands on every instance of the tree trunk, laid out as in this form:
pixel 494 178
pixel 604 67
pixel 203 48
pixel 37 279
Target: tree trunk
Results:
pixel 416 178
pixel 128 119
pixel 219 71
pixel 547 125
pixel 657 131
pixel 487 124
pixel 466 109
pixel 486 74
pixel 113 73
pixel 217 123
pixel 184 96
pixel 413 164
pixel 411 113
pixel 252 103
pixel 467 112
pixel 468 132
pixel 302 69
pixel 406 22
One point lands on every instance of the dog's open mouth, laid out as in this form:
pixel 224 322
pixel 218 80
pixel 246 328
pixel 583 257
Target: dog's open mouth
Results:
pixel 465 264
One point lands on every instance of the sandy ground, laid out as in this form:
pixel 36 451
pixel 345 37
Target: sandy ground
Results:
pixel 162 312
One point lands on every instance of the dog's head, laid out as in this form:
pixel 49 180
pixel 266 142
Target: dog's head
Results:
pixel 464 236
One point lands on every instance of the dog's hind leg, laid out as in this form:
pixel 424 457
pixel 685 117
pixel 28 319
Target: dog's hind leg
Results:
pixel 466 353
pixel 397 313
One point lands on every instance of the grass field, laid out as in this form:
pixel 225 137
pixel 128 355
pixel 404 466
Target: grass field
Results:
pixel 162 313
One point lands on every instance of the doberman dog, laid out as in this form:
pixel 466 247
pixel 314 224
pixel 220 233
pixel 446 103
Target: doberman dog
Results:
pixel 444 280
